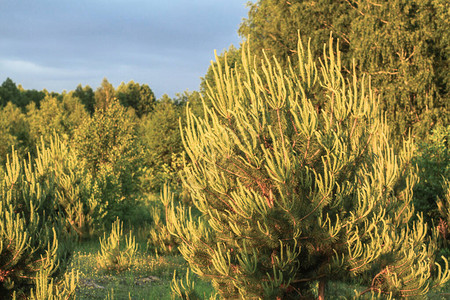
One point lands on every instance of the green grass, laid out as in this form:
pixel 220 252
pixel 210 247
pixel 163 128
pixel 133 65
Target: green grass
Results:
pixel 149 278
pixel 343 291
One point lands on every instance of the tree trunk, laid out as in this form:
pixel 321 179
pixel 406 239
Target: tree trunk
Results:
pixel 321 289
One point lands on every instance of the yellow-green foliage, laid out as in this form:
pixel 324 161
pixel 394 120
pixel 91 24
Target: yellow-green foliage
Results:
pixel 298 183
pixel 183 289
pixel 117 253
pixel 14 131
pixel 73 186
pixel 160 239
pixel 47 289
pixel 32 231
pixel 107 146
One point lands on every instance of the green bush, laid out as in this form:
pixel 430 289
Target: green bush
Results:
pixel 109 152
pixel 433 163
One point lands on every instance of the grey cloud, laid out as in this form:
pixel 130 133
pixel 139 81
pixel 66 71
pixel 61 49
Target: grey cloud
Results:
pixel 167 45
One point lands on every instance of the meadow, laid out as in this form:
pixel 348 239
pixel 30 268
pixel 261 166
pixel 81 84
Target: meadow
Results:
pixel 151 277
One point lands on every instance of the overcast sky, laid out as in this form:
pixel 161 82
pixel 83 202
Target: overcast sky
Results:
pixel 167 44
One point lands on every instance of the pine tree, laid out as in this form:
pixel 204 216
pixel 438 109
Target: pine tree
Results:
pixel 32 231
pixel 73 186
pixel 117 251
pixel 291 196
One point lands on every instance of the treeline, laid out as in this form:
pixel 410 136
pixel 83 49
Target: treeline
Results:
pixel 121 144
pixel 27 116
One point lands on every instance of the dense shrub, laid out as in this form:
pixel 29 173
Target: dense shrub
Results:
pixel 433 162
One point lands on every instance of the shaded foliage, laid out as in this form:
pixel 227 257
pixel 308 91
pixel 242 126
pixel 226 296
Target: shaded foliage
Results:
pixel 86 96
pixel 433 163
pixel 139 97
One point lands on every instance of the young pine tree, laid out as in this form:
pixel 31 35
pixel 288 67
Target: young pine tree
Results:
pixel 34 245
pixel 293 197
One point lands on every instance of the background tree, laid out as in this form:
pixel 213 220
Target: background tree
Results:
pixel 86 96
pixel 104 95
pixel 46 120
pixel 9 92
pixel 290 196
pixel 28 96
pixel 273 26
pixel 14 132
pixel 139 97
pixel 17 95
pixel 107 145
pixel 161 139
pixel 401 44
pixel 62 117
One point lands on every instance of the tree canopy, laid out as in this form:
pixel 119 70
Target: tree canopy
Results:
pixel 401 44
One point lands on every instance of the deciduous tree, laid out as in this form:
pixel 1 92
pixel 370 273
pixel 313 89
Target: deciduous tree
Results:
pixel 139 97
pixel 107 145
pixel 401 44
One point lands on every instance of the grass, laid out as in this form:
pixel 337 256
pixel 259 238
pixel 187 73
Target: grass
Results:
pixel 149 278
pixel 343 291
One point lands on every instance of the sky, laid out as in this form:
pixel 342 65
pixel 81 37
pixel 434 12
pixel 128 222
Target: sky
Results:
pixel 167 44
